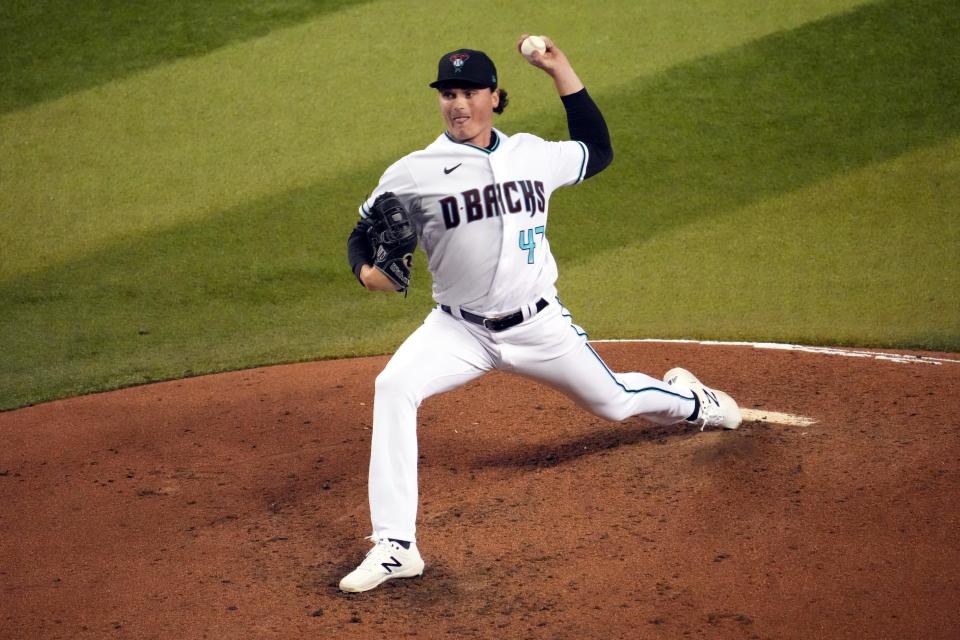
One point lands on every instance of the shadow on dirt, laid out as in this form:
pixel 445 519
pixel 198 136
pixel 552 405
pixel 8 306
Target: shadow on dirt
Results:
pixel 436 594
pixel 554 454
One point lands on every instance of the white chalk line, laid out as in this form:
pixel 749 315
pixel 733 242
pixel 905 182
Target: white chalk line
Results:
pixel 902 358
pixel 775 417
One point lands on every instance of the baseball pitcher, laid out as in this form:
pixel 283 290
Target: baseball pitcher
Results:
pixel 478 202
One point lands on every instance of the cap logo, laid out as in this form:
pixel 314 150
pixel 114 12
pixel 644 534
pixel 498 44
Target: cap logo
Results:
pixel 458 59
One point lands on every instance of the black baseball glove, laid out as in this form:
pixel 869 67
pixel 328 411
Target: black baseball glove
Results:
pixel 392 239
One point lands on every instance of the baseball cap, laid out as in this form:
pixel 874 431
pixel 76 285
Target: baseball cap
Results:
pixel 466 66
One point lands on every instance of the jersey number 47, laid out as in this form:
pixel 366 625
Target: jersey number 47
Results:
pixel 527 242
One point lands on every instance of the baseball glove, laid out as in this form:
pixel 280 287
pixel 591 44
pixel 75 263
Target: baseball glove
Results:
pixel 392 239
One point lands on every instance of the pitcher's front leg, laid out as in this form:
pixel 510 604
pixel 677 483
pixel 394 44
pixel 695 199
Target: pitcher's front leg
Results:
pixel 439 356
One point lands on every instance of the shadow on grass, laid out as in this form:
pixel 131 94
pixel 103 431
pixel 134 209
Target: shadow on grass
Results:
pixel 53 48
pixel 264 283
pixel 268 281
pixel 770 117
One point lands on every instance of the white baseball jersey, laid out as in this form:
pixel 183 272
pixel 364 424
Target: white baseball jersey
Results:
pixel 481 216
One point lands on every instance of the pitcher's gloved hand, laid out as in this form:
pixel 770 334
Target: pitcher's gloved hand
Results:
pixel 392 239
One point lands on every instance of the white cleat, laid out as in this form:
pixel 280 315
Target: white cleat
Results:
pixel 385 561
pixel 717 409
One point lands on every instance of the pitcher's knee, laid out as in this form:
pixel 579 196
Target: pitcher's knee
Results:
pixel 613 411
pixel 396 384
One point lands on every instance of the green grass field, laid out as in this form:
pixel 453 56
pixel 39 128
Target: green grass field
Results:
pixel 177 182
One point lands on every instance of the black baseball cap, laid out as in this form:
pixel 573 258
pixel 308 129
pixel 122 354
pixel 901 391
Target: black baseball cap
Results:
pixel 468 67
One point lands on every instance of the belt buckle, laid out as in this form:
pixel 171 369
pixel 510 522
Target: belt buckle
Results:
pixel 490 324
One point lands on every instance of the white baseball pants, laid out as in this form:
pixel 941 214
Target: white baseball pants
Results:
pixel 446 352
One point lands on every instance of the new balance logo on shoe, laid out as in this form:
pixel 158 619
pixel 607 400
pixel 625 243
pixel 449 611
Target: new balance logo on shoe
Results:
pixel 387 560
pixel 710 394
pixel 386 565
pixel 717 409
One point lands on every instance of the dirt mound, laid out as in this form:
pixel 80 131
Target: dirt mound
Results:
pixel 229 506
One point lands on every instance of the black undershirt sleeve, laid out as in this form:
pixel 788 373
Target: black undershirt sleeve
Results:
pixel 586 124
pixel 358 248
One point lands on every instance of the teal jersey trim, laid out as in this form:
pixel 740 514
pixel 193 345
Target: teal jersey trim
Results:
pixel 641 390
pixel 493 147
pixel 581 176
pixel 583 334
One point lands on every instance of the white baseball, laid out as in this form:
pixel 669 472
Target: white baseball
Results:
pixel 531 44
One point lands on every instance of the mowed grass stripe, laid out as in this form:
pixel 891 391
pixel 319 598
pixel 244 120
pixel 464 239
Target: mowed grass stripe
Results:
pixel 246 287
pixel 50 48
pixel 267 281
pixel 198 136
pixel 866 258
pixel 772 116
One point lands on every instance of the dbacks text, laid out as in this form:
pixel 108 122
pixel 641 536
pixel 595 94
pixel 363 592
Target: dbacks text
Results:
pixel 494 200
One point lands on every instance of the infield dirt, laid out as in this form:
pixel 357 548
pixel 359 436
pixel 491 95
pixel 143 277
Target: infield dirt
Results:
pixel 229 506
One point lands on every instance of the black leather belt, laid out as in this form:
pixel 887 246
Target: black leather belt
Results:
pixel 496 324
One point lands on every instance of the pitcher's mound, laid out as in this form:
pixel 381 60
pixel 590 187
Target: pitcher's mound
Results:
pixel 230 506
